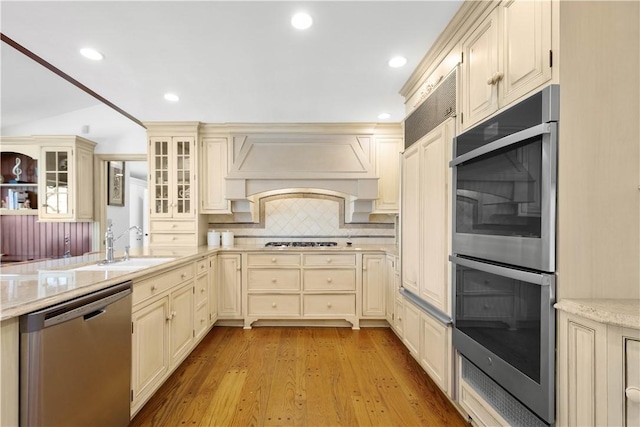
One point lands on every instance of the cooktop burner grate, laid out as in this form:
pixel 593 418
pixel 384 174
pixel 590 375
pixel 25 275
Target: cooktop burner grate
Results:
pixel 300 244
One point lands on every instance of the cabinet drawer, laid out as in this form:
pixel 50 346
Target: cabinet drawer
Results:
pixel 329 305
pixel 156 285
pixel 201 320
pixel 173 226
pixel 273 259
pixel 330 259
pixel 202 287
pixel 173 239
pixel 273 279
pixel 333 280
pixel 202 266
pixel 274 305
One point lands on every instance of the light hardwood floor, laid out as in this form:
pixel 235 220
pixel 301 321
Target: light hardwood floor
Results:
pixel 299 377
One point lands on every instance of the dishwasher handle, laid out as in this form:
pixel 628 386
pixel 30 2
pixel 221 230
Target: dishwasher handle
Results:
pixel 88 306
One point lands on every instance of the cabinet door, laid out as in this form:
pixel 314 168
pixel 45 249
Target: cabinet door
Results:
pixel 160 185
pixel 480 65
pixel 398 323
pixel 213 289
pixel 435 345
pixel 388 170
pixel 213 170
pixel 412 328
pixel 434 187
pixel 373 285
pixel 229 286
pixel 181 322
pixel 390 273
pixel 525 41
pixel 632 383
pixel 184 179
pixel 83 190
pixel 150 347
pixel 56 182
pixel 410 221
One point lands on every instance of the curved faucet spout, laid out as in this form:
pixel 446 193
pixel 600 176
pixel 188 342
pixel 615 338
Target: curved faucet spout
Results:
pixel 109 239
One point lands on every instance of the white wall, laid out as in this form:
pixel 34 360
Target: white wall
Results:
pixel 130 214
pixel 113 132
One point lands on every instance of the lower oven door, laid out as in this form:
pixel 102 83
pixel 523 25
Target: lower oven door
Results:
pixel 504 323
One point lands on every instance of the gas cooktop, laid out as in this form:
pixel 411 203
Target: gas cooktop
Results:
pixel 299 244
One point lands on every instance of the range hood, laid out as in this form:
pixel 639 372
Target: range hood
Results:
pixel 333 163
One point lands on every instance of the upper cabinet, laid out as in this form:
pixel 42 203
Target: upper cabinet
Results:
pixel 506 56
pixel 387 164
pixel 214 168
pixel 55 173
pixel 172 161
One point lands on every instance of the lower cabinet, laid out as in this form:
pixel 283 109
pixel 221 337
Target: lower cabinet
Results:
pixel 213 289
pixel 412 328
pixel 169 316
pixel 229 286
pixel 373 285
pixel 598 373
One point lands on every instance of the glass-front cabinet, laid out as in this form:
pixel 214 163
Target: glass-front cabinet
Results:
pixel 56 196
pixel 172 177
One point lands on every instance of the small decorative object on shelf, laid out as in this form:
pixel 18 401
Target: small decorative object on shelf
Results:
pixel 16 169
pixel 1 179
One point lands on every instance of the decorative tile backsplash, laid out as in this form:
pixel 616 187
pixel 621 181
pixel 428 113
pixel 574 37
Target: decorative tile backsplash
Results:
pixel 308 219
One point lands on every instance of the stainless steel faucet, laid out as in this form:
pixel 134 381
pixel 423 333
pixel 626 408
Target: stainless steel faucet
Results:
pixel 109 240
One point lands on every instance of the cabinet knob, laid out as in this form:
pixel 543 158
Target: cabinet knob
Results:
pixel 274 305
pixel 498 77
pixel 490 81
pixel 273 280
pixel 329 260
pixel 202 320
pixel 174 225
pixel 633 394
pixel 273 260
pixel 328 305
pixel 329 280
pixel 364 268
pixel 183 275
pixel 201 290
pixel 153 288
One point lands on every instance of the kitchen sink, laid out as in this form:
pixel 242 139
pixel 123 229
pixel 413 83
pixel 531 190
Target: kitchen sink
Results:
pixel 131 264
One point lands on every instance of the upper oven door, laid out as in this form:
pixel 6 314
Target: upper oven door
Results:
pixel 505 199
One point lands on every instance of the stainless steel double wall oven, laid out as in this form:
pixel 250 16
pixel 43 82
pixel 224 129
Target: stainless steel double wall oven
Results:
pixel 504 174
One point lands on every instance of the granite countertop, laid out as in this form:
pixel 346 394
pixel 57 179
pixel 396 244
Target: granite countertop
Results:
pixel 30 286
pixel 619 312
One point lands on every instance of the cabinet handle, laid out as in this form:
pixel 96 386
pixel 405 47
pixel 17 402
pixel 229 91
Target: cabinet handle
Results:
pixel 273 280
pixel 491 81
pixel 201 320
pixel 633 394
pixel 183 275
pixel 273 260
pixel 274 305
pixel 174 225
pixel 171 315
pixel 498 77
pixel 364 268
pixel 329 280
pixel 201 290
pixel 153 288
pixel 328 260
pixel 328 305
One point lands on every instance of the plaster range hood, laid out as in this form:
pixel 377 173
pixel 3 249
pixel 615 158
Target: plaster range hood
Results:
pixel 317 163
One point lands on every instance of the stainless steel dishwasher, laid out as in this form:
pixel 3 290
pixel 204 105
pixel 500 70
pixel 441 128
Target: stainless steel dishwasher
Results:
pixel 75 361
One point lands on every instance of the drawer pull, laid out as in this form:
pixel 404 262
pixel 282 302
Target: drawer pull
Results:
pixel 274 305
pixel 201 320
pixel 364 268
pixel 273 260
pixel 329 280
pixel 183 275
pixel 273 280
pixel 171 315
pixel 329 260
pixel 174 225
pixel 633 394
pixel 153 288
pixel 329 305
pixel 201 290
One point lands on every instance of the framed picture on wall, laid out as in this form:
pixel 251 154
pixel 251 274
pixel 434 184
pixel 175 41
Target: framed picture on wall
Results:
pixel 115 179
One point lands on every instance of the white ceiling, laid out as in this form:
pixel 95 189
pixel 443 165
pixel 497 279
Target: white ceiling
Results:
pixel 228 61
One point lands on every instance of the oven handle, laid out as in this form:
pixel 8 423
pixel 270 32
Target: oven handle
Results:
pixel 541 279
pixel 514 138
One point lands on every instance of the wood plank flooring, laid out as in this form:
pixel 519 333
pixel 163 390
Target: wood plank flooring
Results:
pixel 284 376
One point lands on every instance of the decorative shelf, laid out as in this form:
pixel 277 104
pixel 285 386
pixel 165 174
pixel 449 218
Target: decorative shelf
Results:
pixel 26 184
pixel 4 211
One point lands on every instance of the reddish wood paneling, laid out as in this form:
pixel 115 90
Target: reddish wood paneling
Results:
pixel 23 236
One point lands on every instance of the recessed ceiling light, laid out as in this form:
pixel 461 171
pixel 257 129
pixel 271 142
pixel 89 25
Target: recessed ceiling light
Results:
pixel 384 116
pixel 301 21
pixel 171 97
pixel 87 52
pixel 398 61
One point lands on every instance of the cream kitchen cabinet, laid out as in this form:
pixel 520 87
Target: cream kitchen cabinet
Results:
pixel 391 286
pixel 229 286
pixel 435 351
pixel 374 285
pixel 387 166
pixel 214 168
pixel 598 370
pixel 173 191
pixel 426 227
pixel 201 301
pixel 307 286
pixel 213 289
pixel 65 182
pixel 506 56
pixel 162 329
pixel 411 328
